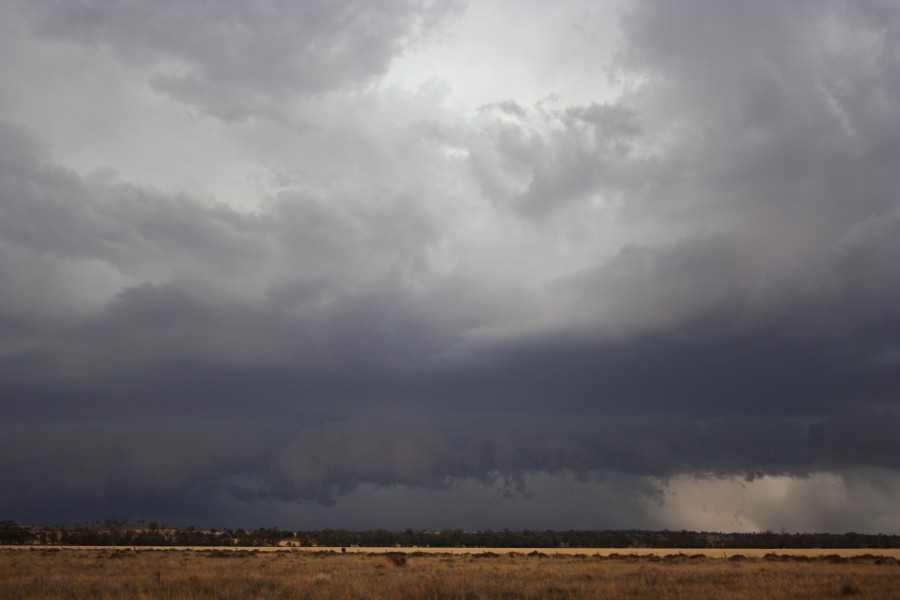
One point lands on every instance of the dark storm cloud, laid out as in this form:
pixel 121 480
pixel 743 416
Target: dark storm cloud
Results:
pixel 339 456
pixel 778 110
pixel 236 60
pixel 86 463
pixel 199 290
pixel 869 437
pixel 744 323
pixel 335 458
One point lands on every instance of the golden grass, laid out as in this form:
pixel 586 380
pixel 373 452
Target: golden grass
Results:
pixel 114 574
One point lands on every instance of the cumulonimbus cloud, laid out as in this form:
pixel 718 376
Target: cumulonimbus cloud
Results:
pixel 695 277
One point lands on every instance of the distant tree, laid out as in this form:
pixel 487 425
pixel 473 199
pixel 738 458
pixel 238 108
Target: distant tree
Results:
pixel 113 529
pixel 12 533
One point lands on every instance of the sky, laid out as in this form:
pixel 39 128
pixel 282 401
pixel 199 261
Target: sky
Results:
pixel 442 264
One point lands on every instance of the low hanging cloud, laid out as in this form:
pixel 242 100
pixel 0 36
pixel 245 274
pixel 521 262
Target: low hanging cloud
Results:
pixel 320 463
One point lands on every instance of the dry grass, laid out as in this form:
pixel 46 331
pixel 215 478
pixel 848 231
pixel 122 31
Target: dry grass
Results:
pixel 118 574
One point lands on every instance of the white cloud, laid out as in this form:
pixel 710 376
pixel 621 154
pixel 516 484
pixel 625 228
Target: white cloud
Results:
pixel 522 51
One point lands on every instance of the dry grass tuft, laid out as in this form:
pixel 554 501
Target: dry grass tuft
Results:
pixel 850 589
pixel 397 559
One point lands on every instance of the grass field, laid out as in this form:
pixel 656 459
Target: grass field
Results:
pixel 110 573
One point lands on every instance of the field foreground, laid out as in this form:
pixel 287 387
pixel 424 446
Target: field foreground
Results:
pixel 111 573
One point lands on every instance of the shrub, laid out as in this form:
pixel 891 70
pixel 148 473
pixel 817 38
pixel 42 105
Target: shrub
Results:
pixel 397 558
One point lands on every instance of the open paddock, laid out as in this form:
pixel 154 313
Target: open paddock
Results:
pixel 110 573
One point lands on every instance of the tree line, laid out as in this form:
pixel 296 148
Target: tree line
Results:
pixel 116 532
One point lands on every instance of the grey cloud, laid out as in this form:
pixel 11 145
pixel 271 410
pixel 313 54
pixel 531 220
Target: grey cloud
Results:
pixel 234 60
pixel 364 237
pixel 728 285
pixel 542 165
pixel 706 281
pixel 182 293
pixel 509 107
pixel 859 437
pixel 333 459
pixel 336 458
pixel 48 209
pixel 708 326
pixel 615 501
pixel 163 461
pixel 781 121
pixel 786 136
pixel 153 463
pixel 728 307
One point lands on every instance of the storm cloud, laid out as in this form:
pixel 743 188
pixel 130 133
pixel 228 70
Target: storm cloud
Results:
pixel 234 61
pixel 680 279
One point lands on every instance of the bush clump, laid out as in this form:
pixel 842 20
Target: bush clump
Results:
pixel 397 558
